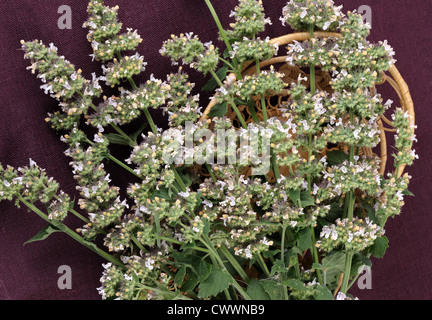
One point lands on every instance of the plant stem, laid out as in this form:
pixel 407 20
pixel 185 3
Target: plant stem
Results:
pixel 178 178
pixel 114 126
pixel 121 164
pixel 71 233
pixel 231 101
pixel 347 273
pixel 263 265
pixel 315 256
pixel 222 31
pixel 234 69
pixel 284 227
pixel 182 243
pixel 234 263
pixel 275 166
pixel 155 132
pixel 312 67
pixel 253 112
pixel 206 241
pixel 263 102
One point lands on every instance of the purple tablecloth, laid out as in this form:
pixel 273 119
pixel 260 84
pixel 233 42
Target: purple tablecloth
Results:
pixel 30 272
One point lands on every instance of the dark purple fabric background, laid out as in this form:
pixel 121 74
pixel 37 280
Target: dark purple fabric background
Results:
pixel 30 272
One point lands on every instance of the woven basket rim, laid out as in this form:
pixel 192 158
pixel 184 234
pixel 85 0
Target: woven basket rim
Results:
pixel 395 80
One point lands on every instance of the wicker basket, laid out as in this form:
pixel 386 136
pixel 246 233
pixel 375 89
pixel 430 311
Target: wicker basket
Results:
pixel 394 78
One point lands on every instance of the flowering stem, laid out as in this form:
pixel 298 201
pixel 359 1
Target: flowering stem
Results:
pixel 71 233
pixel 155 132
pixel 312 67
pixel 114 126
pixel 234 69
pixel 231 101
pixel 222 31
pixel 263 102
pixel 178 179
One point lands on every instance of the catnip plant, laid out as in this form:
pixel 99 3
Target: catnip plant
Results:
pixel 200 223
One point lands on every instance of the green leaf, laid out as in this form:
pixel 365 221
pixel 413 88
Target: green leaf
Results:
pixel 203 270
pixel 256 291
pixel 219 110
pixel 190 283
pixel 358 262
pixel 379 247
pixel 273 288
pixel 212 84
pixel 206 229
pixel 294 196
pixel 333 265
pixel 371 213
pixel 270 253
pixel 306 199
pixel 216 282
pixel 406 192
pixel 180 275
pixel 305 239
pixel 278 267
pixel 336 157
pixel 226 53
pixel 365 261
pixel 115 138
pixel 43 234
pixel 163 192
pixel 186 177
pixel 323 293
pixel 294 284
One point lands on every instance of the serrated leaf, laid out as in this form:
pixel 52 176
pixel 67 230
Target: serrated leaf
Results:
pixel 273 288
pixel 219 110
pixel 379 247
pixel 278 267
pixel 256 291
pixel 203 270
pixel 305 239
pixel 294 284
pixel 43 234
pixel 366 261
pixel 323 293
pixel 306 199
pixel 216 282
pixel 333 265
